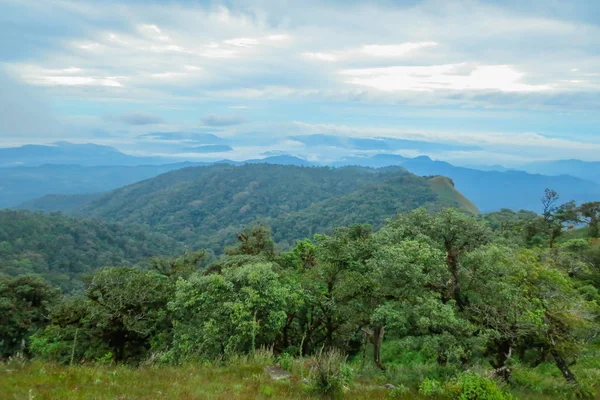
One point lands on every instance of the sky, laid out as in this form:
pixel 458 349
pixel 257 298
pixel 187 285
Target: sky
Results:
pixel 491 82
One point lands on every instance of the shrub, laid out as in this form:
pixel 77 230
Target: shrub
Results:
pixel 474 387
pixel 330 375
pixel 430 387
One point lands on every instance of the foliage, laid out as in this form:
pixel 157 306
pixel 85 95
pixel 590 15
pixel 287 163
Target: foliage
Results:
pixel 24 305
pixel 122 313
pixel 234 312
pixel 205 207
pixel 329 374
pixel 446 303
pixel 63 250
pixel 470 386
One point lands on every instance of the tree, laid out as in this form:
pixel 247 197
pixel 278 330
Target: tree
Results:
pixel 25 302
pixel 124 310
pixel 334 287
pixel 236 311
pixel 590 214
pixel 254 240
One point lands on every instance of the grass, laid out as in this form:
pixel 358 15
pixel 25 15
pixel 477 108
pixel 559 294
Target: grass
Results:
pixel 245 377
pixel 40 380
pixel 445 189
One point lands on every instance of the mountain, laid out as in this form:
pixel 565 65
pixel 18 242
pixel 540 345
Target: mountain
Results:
pixel 492 190
pixel 190 137
pixel 377 143
pixel 71 153
pixel 205 207
pixel 516 190
pixel 279 160
pixel 208 148
pixel 445 189
pixel 64 249
pixel 581 169
pixel 375 161
pixel 489 190
pixel 22 184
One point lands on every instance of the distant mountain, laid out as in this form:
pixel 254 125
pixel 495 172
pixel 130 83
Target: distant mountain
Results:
pixel 22 184
pixel 581 169
pixel 377 143
pixel 205 206
pixel 495 167
pixel 70 153
pixel 280 160
pixel 491 190
pixel 209 148
pixel 488 190
pixel 192 137
pixel 516 190
pixel 375 161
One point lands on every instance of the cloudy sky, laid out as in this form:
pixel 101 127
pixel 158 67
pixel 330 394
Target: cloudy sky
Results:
pixel 489 81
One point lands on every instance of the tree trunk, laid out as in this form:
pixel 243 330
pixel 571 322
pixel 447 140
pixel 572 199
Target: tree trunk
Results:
pixel 377 340
pixel 452 263
pixel 564 367
pixel 503 354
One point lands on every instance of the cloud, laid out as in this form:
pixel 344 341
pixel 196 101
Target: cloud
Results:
pixel 139 118
pixel 223 120
pixel 442 77
pixel 412 66
pixel 25 112
pixel 395 50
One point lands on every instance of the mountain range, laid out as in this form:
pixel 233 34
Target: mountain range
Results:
pixel 89 168
pixel 206 206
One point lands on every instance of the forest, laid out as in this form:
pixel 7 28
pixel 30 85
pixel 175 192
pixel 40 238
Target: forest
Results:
pixel 205 207
pixel 432 304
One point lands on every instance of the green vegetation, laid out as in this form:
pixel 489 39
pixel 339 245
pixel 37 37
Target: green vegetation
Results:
pixel 434 304
pixel 444 188
pixel 63 250
pixel 204 207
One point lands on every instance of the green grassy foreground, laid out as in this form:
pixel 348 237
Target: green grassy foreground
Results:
pixel 39 380
pixel 245 378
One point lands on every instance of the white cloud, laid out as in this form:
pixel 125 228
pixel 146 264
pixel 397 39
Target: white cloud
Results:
pixel 242 42
pixel 395 50
pixel 320 56
pixel 441 77
pixel 279 37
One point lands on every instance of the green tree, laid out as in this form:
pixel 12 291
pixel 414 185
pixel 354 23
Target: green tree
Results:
pixel 25 302
pixel 124 310
pixel 236 311
pixel 590 214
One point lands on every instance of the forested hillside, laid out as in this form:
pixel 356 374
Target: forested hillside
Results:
pixel 436 305
pixel 205 206
pixel 64 250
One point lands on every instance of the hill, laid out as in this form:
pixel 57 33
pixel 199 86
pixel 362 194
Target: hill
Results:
pixel 488 190
pixel 516 190
pixel 22 184
pixel 206 206
pixel 70 153
pixel 445 189
pixel 492 190
pixel 581 169
pixel 64 249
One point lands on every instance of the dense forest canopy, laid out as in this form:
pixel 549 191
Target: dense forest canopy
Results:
pixel 205 206
pixel 63 249
pixel 498 294
pixel 457 299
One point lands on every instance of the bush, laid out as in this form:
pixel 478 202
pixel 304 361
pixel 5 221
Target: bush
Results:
pixel 474 387
pixel 430 387
pixel 330 375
